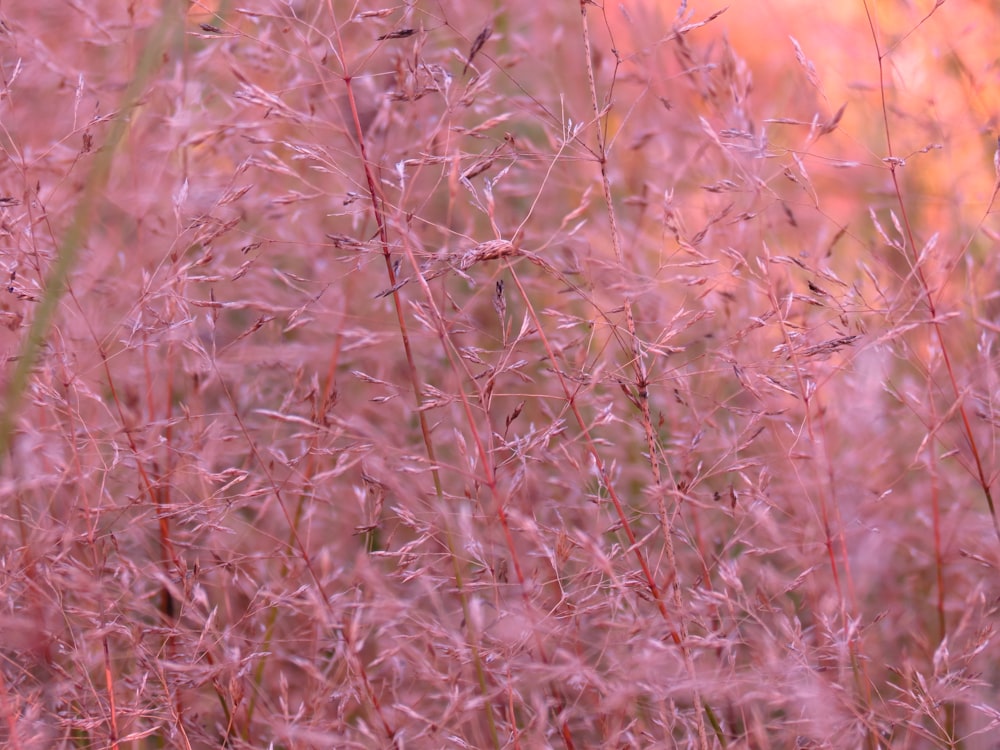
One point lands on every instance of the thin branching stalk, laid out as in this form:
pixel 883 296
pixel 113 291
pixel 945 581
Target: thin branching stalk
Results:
pixel 894 163
pixel 637 363
pixel 377 200
pixel 57 279
pixel 489 478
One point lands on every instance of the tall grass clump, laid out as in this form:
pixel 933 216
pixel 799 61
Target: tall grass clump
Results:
pixel 492 375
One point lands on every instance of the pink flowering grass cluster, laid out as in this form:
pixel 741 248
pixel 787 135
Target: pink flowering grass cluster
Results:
pixel 517 375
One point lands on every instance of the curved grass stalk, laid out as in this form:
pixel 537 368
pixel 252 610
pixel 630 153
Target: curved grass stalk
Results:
pixel 641 383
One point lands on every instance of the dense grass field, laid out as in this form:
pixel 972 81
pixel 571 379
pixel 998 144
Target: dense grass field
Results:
pixel 509 374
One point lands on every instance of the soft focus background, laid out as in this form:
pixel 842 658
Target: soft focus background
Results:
pixel 514 374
